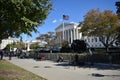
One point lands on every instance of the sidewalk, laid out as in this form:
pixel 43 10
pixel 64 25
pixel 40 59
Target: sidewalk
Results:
pixel 57 71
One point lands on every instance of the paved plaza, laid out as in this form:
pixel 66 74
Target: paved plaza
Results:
pixel 62 71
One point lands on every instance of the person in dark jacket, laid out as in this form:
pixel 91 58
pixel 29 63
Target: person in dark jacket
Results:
pixel 60 59
pixel 1 54
pixel 76 59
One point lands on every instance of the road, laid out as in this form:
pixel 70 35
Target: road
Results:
pixel 61 71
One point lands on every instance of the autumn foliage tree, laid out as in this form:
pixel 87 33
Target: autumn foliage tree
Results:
pixel 103 25
pixel 117 4
pixel 22 16
pixel 49 38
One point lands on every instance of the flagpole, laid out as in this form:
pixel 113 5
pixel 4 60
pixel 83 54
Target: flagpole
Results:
pixel 63 28
pixel 65 17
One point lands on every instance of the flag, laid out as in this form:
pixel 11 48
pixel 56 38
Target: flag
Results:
pixel 65 17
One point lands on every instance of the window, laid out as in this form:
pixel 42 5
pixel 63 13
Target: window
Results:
pixel 95 39
pixel 92 39
pixel 88 40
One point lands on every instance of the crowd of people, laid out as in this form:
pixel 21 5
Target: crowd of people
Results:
pixel 5 52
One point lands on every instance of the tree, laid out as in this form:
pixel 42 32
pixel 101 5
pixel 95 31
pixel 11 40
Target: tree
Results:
pixel 103 25
pixel 9 47
pixel 22 16
pixel 49 38
pixel 78 46
pixel 65 47
pixel 19 45
pixel 34 46
pixel 58 34
pixel 117 4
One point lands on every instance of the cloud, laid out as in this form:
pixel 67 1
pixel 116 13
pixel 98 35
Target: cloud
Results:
pixel 54 21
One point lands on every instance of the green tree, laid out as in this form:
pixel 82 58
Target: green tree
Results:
pixel 22 16
pixel 65 46
pixel 103 25
pixel 9 47
pixel 19 45
pixel 34 46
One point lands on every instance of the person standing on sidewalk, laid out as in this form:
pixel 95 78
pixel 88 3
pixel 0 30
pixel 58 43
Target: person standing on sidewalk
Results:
pixel 10 55
pixel 76 59
pixel 1 54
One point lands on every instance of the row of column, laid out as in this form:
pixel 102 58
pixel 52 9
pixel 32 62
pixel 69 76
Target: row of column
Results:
pixel 69 35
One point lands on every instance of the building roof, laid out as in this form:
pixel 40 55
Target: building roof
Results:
pixel 66 24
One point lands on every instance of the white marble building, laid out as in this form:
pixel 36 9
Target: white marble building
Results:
pixel 93 42
pixel 5 42
pixel 10 40
pixel 68 31
pixel 71 32
pixel 40 42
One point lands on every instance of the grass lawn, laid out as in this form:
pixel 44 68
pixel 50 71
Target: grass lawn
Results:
pixel 9 71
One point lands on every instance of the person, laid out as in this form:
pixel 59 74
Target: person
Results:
pixel 60 59
pixel 76 59
pixel 10 55
pixel 18 52
pixel 43 57
pixel 1 54
pixel 110 58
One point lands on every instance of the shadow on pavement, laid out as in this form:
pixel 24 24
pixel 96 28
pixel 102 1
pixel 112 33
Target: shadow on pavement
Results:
pixel 101 75
pixel 99 67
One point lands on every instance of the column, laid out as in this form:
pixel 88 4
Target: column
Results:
pixel 68 35
pixel 71 35
pixel 74 34
pixel 65 37
pixel 28 47
pixel 77 33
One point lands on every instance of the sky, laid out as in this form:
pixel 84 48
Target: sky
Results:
pixel 75 9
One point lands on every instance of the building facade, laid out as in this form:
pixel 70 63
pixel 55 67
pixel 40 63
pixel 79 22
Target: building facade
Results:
pixel 5 42
pixel 71 31
pixel 93 42
pixel 39 42
pixel 68 32
pixel 10 40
